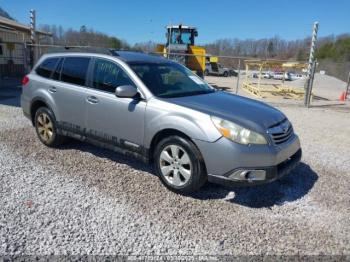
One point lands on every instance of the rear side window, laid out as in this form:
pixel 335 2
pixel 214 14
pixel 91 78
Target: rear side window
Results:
pixel 74 70
pixel 46 68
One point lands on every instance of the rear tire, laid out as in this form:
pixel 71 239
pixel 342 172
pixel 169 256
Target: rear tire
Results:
pixel 225 74
pixel 46 127
pixel 179 165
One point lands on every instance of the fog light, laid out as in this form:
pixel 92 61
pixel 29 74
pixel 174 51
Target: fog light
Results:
pixel 248 175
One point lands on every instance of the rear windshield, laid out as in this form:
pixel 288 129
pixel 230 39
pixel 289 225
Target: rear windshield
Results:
pixel 170 80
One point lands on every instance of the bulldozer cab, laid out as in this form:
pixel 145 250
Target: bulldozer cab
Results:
pixel 181 40
pixel 181 35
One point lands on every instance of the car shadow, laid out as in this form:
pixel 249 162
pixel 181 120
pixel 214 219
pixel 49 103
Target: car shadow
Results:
pixel 10 92
pixel 289 188
pixel 10 101
pixel 107 154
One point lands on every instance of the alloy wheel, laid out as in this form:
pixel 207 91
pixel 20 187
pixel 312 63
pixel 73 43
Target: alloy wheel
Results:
pixel 175 165
pixel 45 127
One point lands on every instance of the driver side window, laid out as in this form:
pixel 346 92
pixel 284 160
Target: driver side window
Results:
pixel 107 76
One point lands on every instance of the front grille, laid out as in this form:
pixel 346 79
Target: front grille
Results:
pixel 282 132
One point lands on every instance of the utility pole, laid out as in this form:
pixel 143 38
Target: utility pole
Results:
pixel 347 87
pixel 238 76
pixel 33 36
pixel 309 82
pixel 32 26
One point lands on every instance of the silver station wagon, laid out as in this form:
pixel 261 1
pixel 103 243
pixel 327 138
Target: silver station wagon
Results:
pixel 160 112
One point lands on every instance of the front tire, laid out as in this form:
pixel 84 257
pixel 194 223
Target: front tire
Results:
pixel 179 165
pixel 225 74
pixel 46 127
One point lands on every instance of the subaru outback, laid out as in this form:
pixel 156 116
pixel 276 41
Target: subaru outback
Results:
pixel 160 112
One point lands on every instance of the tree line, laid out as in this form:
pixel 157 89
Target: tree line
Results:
pixel 83 37
pixel 335 48
pixel 332 47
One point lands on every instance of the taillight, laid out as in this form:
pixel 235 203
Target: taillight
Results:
pixel 25 80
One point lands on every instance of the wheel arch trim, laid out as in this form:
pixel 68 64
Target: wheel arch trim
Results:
pixel 46 101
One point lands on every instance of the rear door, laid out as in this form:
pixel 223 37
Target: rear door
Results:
pixel 69 92
pixel 111 119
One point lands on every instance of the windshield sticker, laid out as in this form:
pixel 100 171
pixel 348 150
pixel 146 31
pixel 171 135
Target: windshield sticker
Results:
pixel 197 80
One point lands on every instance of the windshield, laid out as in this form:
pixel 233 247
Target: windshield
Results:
pixel 170 80
pixel 184 38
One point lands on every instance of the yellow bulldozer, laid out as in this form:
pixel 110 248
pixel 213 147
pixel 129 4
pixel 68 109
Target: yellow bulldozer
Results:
pixel 180 46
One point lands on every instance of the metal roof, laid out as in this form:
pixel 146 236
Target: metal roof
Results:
pixel 14 25
pixel 270 63
pixel 183 27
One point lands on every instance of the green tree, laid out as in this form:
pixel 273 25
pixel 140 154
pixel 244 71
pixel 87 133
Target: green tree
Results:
pixel 114 43
pixel 338 51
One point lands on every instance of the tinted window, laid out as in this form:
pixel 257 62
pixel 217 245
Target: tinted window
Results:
pixel 56 73
pixel 47 67
pixel 107 76
pixel 74 70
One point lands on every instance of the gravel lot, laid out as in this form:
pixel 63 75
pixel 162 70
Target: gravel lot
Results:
pixel 80 199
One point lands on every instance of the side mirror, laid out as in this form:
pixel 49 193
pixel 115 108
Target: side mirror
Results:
pixel 127 91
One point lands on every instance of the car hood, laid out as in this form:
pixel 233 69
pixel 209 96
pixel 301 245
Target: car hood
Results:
pixel 246 112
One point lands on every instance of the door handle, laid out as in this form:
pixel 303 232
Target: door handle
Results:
pixel 52 89
pixel 92 99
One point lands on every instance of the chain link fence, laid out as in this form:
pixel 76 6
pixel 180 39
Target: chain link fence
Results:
pixel 339 70
pixel 227 73
pixel 13 60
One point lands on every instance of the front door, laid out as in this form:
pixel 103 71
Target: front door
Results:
pixel 110 119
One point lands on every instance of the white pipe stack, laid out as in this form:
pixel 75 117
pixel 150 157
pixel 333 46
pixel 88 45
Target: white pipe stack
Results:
pixel 32 26
pixel 312 48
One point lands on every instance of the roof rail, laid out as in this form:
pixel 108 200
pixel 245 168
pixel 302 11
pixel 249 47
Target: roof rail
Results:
pixel 82 49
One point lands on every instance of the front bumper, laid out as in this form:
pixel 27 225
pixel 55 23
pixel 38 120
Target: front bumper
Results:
pixel 271 173
pixel 224 158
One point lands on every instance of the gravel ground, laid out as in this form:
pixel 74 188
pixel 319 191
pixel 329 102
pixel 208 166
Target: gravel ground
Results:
pixel 80 199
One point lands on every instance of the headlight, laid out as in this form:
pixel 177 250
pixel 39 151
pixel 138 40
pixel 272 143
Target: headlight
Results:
pixel 237 133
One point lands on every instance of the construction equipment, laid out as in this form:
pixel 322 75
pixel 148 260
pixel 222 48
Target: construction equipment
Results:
pixel 180 46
